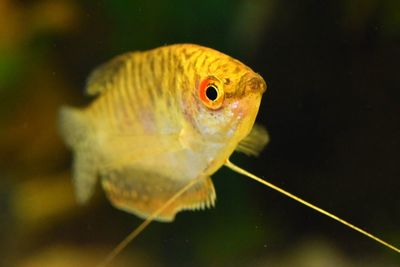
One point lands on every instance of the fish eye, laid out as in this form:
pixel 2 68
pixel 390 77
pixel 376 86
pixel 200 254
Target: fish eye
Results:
pixel 211 93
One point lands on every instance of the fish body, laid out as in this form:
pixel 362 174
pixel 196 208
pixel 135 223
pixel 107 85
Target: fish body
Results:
pixel 161 118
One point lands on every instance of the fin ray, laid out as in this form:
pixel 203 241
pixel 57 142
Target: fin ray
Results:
pixel 142 192
pixel 254 142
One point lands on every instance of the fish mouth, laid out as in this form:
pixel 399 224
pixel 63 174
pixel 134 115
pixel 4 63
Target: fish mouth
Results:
pixel 251 88
pixel 245 106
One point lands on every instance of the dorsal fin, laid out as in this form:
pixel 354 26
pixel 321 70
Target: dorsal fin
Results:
pixel 103 76
pixel 254 142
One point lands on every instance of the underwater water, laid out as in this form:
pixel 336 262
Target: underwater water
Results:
pixel 331 109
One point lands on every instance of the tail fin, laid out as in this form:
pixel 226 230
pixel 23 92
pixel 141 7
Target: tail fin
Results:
pixel 76 133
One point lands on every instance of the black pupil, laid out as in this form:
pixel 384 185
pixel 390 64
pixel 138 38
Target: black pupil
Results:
pixel 211 93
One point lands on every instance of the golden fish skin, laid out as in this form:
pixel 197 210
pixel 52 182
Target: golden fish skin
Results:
pixel 161 118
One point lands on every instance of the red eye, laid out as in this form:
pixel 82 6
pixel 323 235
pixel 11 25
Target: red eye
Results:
pixel 210 94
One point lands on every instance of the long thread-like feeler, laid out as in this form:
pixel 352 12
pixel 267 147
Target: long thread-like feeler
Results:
pixel 144 224
pixel 239 170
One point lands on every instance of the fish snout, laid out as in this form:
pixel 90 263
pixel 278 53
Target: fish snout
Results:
pixel 253 83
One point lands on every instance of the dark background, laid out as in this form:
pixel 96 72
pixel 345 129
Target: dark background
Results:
pixel 331 108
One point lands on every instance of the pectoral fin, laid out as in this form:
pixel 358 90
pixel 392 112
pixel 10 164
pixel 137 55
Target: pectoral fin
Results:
pixel 254 143
pixel 142 192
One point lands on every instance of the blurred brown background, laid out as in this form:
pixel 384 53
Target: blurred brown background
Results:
pixel 332 109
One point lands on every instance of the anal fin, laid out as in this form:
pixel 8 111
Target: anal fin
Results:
pixel 142 193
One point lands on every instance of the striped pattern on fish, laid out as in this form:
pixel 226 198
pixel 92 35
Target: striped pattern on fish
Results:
pixel 159 119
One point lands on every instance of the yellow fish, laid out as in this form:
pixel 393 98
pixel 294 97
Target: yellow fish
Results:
pixel 162 122
pixel 160 119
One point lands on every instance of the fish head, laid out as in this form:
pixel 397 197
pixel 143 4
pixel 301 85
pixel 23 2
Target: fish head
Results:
pixel 225 100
